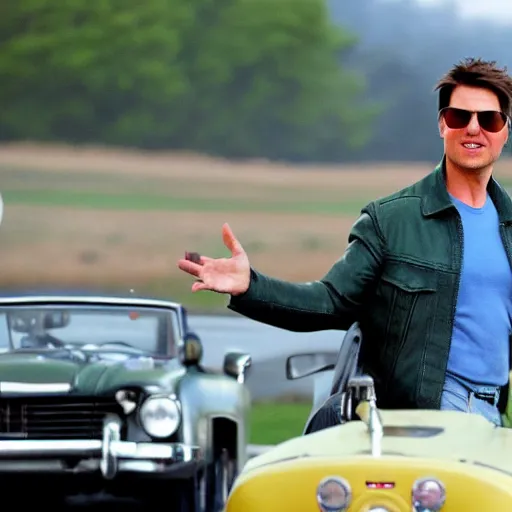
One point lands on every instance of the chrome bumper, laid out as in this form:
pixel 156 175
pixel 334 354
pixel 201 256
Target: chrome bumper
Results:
pixel 110 455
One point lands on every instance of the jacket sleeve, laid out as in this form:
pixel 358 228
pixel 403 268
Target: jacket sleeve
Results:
pixel 333 302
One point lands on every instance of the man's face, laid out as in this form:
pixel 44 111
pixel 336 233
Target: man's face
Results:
pixel 459 142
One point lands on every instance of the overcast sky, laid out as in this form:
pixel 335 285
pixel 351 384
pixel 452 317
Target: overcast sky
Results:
pixel 496 9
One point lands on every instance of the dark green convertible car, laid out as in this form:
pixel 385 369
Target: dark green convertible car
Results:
pixel 108 394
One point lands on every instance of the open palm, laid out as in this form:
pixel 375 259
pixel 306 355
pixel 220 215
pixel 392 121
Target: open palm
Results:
pixel 223 275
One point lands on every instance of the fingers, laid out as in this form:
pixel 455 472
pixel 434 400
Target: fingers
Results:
pixel 199 285
pixel 230 240
pixel 190 267
pixel 193 263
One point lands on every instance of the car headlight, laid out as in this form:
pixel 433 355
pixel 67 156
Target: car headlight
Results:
pixel 333 494
pixel 428 495
pixel 160 416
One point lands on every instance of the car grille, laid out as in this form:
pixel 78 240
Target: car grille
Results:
pixel 54 418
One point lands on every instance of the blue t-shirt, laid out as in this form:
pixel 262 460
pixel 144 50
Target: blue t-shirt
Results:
pixel 480 340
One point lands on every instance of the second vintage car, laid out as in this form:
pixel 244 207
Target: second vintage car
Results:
pixel 108 394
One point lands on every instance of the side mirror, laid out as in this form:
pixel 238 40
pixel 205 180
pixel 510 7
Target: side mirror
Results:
pixel 192 353
pixel 303 365
pixel 236 364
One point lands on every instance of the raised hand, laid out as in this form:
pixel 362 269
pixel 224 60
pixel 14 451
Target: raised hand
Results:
pixel 222 275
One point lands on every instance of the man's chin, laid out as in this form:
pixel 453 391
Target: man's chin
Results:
pixel 473 164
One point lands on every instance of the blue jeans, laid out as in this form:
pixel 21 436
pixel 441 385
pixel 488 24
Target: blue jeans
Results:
pixel 462 395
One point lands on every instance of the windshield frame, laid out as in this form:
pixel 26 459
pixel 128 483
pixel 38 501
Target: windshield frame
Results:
pixel 174 322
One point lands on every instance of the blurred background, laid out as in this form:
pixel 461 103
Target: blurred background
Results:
pixel 130 131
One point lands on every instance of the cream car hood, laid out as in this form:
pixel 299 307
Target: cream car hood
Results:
pixel 463 436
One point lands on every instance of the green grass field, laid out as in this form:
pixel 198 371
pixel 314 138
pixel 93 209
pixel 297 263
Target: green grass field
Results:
pixel 273 422
pixel 132 201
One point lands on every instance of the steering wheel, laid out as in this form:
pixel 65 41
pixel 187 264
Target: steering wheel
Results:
pixel 348 356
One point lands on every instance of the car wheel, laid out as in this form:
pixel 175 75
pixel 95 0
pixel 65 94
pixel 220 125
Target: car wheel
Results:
pixel 220 476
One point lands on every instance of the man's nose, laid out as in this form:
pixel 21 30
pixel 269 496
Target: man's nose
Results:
pixel 473 126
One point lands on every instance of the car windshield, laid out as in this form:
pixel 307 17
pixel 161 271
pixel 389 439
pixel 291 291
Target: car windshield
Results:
pixel 140 329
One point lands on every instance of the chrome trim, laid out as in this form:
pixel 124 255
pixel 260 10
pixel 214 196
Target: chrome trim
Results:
pixel 375 428
pixel 108 464
pixel 364 390
pixel 113 455
pixel 94 447
pixel 85 299
pixel 34 388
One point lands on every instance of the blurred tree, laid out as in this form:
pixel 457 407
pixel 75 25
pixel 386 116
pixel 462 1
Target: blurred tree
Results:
pixel 91 70
pixel 266 81
pixel 232 77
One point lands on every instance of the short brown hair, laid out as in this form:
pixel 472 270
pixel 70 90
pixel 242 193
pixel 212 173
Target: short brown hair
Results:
pixel 477 73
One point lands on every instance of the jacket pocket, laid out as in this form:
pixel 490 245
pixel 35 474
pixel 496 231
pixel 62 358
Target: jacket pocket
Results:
pixel 410 278
pixel 407 293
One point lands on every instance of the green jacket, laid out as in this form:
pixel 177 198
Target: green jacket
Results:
pixel 398 277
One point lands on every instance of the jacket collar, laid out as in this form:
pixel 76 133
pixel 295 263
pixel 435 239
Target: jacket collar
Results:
pixel 436 199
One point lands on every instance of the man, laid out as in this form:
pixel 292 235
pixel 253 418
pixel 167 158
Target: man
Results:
pixel 426 272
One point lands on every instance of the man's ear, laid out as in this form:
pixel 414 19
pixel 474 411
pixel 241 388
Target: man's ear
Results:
pixel 442 127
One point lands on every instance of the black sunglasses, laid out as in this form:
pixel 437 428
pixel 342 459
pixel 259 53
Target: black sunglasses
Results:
pixel 489 120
